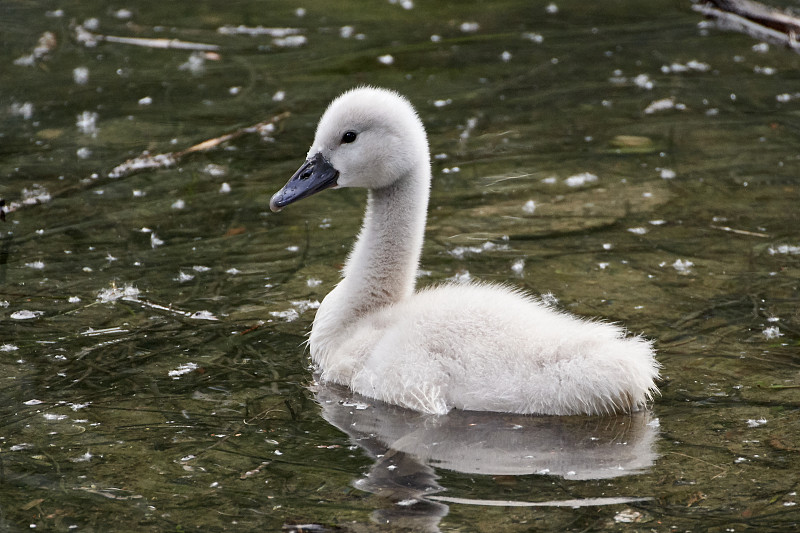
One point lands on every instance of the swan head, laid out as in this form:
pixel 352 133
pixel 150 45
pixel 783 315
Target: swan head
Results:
pixel 368 138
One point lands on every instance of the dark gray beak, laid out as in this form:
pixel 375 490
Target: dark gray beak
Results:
pixel 316 175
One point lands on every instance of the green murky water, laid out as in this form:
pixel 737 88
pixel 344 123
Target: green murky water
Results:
pixel 639 166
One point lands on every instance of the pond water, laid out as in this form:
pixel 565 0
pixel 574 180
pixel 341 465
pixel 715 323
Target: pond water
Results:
pixel 625 157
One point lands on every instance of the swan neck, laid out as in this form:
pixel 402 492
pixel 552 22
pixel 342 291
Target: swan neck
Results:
pixel 382 267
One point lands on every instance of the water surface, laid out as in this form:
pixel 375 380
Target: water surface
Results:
pixel 622 156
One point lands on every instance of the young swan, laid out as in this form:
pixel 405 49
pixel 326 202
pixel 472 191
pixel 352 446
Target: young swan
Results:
pixel 468 346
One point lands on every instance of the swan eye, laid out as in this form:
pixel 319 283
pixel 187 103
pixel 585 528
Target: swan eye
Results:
pixel 348 137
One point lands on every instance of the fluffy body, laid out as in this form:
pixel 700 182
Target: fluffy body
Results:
pixel 467 346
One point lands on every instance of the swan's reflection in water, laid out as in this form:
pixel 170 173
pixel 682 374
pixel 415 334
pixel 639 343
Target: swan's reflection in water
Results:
pixel 408 446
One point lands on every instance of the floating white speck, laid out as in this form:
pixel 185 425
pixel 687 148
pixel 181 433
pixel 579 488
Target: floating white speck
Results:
pixel 292 41
pixel 178 204
pixel 233 271
pixel 784 249
pixel 462 276
pixel 386 59
pixel 693 65
pixel 225 188
pixel 661 105
pixel 279 96
pixel 54 417
pixel 36 265
pixel 155 241
pixel 139 193
pixel 300 12
pixel 234 90
pixel 505 56
pixel 21 446
pixel 628 516
pixel 643 81
pixel 201 268
pixel 196 63
pixel 203 315
pixel 304 305
pixel 761 48
pixel 123 14
pixel 767 71
pixel 216 171
pixel 74 299
pixel 533 37
pixel 85 153
pixel 112 294
pixel 313 282
pixel 786 97
pixel 146 100
pixel 460 251
pixel 529 207
pixel 293 248
pixel 442 103
pixel 79 406
pixel 183 277
pixel 603 266
pixel 87 123
pixel 80 75
pixel 345 32
pixel 82 458
pixel 8 348
pixel 182 369
pixel 638 230
pixel 772 332
pixel 753 423
pixel 24 314
pixel 33 402
pixel 22 110
pixel 666 173
pixel 469 27
pixel 683 267
pixel 580 179
pixel 290 315
pixel 518 266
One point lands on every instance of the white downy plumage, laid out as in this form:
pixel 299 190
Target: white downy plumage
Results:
pixel 467 346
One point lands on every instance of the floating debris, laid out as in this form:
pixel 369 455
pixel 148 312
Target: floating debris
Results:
pixel 203 315
pixel 752 423
pixel 469 27
pixel 24 110
pixel 90 40
pixel 182 369
pixel 24 314
pixel 529 207
pixel 772 332
pixel 683 267
pixel 292 41
pixel 114 293
pixel 46 44
pixel 784 249
pixel 663 105
pixel 581 179
pixel 254 31
pixel 691 66
pixel 158 161
pixel 386 59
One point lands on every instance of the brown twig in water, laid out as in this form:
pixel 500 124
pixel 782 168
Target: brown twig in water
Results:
pixel 157 161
